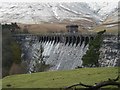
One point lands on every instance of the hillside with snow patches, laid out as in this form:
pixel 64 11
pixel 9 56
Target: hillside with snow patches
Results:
pixel 56 12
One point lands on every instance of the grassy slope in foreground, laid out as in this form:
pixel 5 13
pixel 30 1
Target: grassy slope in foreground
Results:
pixel 59 79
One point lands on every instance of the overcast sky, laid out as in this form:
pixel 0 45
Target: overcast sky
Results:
pixel 59 0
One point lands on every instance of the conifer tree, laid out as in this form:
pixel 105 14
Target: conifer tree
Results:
pixel 90 59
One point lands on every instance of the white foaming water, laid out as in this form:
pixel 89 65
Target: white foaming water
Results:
pixel 64 57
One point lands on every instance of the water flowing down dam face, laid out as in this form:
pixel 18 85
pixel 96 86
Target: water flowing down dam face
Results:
pixel 62 53
pixel 63 57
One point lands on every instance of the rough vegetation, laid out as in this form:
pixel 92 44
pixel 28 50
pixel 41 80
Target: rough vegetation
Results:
pixel 11 52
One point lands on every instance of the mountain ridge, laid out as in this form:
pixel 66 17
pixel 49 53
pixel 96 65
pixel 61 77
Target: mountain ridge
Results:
pixel 55 12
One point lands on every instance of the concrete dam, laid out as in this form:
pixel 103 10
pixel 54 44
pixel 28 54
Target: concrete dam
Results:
pixel 63 51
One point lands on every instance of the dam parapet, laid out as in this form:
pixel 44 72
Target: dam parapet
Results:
pixel 56 37
pixel 60 37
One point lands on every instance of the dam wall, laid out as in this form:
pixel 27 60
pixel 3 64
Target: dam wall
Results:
pixel 64 51
pixel 61 51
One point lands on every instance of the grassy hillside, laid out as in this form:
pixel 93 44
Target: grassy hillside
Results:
pixel 58 27
pixel 43 28
pixel 110 28
pixel 59 79
pixel 48 27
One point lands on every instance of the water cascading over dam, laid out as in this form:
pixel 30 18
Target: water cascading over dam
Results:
pixel 61 51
